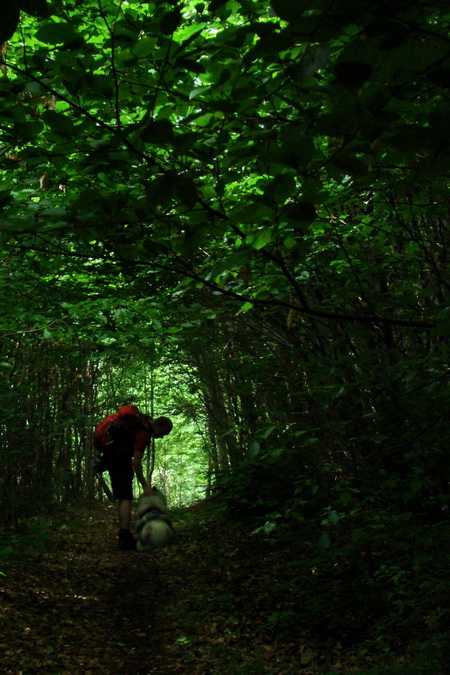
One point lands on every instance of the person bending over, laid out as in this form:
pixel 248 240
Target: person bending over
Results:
pixel 121 440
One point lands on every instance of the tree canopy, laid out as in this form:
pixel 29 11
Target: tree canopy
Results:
pixel 258 191
pixel 263 152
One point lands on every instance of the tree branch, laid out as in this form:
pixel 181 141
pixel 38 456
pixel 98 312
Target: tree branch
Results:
pixel 189 273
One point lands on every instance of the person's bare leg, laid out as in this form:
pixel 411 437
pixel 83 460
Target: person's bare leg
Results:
pixel 124 514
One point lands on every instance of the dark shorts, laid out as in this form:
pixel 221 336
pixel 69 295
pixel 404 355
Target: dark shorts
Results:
pixel 121 474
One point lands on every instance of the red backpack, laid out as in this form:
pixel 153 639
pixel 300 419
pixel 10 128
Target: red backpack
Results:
pixel 112 437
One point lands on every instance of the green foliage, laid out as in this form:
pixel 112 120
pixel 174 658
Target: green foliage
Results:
pixel 32 535
pixel 180 466
pixel 262 488
pixel 208 107
pixel 249 198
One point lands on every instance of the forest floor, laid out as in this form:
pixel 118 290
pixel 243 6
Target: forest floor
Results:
pixel 213 604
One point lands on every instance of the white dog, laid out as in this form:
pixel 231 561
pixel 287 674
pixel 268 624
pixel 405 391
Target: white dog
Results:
pixel 153 526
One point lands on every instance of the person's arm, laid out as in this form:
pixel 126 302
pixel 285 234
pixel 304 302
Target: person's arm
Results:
pixel 141 441
pixel 139 471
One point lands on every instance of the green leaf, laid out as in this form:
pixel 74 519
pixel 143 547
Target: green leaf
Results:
pixel 205 120
pixel 254 448
pixel 296 149
pixel 161 189
pixel 281 187
pixel 57 32
pixel 19 224
pixel 197 91
pixel 261 239
pixel 254 212
pixel 159 132
pixel 54 212
pixel 144 47
pixel 289 242
pixel 246 307
pixel 60 124
pixel 301 212
pixel 315 59
pixel 187 192
pixel 170 22
pixel 324 540
pixel 26 131
pixel 334 517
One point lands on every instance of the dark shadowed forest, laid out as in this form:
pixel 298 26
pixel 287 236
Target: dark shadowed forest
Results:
pixel 234 213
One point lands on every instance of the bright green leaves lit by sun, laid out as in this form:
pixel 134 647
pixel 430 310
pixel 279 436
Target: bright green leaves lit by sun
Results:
pixel 183 136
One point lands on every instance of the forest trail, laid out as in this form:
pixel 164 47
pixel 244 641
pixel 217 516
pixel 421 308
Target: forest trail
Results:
pixel 81 606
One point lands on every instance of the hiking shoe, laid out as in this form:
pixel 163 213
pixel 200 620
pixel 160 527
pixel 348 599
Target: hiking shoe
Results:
pixel 126 541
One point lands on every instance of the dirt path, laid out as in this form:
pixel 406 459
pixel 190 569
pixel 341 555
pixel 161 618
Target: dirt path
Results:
pixel 83 607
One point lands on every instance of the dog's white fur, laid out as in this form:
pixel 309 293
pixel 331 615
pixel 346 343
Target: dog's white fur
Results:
pixel 153 527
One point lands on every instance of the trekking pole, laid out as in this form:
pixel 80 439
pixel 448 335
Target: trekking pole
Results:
pixel 105 487
pixel 152 461
pixel 152 415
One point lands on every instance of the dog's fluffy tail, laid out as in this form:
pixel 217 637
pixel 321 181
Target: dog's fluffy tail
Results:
pixel 155 534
